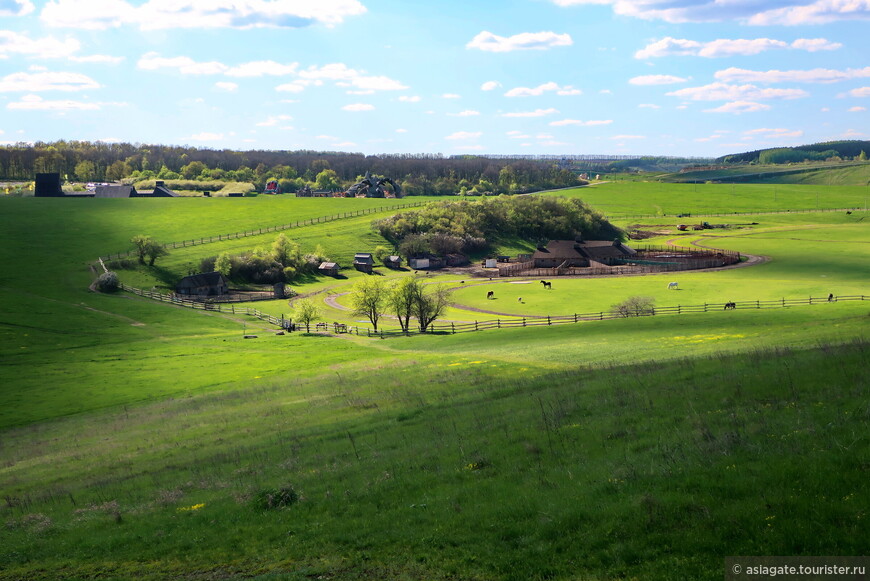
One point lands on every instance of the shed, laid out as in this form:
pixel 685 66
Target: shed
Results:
pixel 490 263
pixel 363 261
pixel 418 263
pixel 393 262
pixel 329 268
pixel 206 284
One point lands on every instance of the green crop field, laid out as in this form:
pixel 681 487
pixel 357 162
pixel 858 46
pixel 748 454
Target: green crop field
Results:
pixel 144 440
pixel 662 199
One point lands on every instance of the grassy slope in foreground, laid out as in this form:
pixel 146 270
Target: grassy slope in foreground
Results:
pixel 651 471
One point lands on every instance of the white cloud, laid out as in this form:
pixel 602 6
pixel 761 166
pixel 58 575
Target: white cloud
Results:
pixel 262 68
pixel 861 92
pixel 777 133
pixel 815 44
pixel 348 77
pixel 358 107
pixel 16 8
pixel 224 86
pixel 756 12
pixel 490 42
pixel 296 86
pixel 463 135
pixel 410 99
pixel 553 143
pixel 97 58
pixel 725 92
pixel 490 86
pixel 818 12
pixel 450 96
pixel 152 61
pixel 578 122
pixel 272 121
pixel 401 130
pixel 466 113
pixel 47 81
pixel 518 135
pixel 648 106
pixel 541 89
pixel 857 109
pixel 735 75
pixel 535 113
pixel 206 136
pixel 722 47
pixel 852 134
pixel 37 103
pixel 13 43
pixel 621 137
pixel 605 92
pixel 738 107
pixel 164 14
pixel 656 80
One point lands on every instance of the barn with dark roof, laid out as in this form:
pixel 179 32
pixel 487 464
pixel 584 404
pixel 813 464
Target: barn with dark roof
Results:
pixel 574 253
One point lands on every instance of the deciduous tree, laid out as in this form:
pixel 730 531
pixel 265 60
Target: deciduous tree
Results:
pixel 369 299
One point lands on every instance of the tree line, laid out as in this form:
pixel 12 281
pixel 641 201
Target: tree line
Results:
pixel 423 174
pixel 834 150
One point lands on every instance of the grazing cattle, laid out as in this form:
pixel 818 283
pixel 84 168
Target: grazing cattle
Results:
pixel 673 286
pixel 490 295
pixel 731 305
pixel 831 298
pixel 519 299
pixel 547 284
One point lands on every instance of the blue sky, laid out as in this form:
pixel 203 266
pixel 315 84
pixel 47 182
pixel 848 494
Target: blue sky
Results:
pixel 659 77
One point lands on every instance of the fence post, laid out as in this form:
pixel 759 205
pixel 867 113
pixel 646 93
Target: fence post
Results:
pixel 705 307
pixel 601 316
pixel 498 323
pixel 783 301
pixel 453 327
pixel 575 317
pixel 475 325
pixel 757 304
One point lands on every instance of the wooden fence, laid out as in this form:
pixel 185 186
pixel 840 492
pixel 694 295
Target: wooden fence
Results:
pixel 703 214
pixel 267 229
pixel 549 320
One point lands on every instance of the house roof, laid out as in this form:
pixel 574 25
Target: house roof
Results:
pixel 394 258
pixel 567 249
pixel 327 265
pixel 559 250
pixel 200 280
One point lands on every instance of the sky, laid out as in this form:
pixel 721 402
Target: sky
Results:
pixel 695 78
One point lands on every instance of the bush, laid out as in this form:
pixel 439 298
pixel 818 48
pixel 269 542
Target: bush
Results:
pixel 275 498
pixel 121 264
pixel 635 307
pixel 108 282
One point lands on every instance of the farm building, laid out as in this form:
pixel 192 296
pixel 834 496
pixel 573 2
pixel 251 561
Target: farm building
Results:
pixel 427 262
pixel 418 263
pixel 393 262
pixel 206 284
pixel 363 261
pixel 328 268
pixel 567 253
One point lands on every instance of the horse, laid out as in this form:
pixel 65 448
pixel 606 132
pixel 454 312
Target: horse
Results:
pixel 547 285
pixel 673 286
pixel 490 295
pixel 730 305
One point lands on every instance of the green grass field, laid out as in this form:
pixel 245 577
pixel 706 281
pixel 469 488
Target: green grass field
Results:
pixel 136 437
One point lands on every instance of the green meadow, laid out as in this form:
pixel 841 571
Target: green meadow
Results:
pixel 140 439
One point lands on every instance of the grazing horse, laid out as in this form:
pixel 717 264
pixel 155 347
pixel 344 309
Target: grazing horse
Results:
pixel 732 305
pixel 490 295
pixel 519 299
pixel 673 286
pixel 547 284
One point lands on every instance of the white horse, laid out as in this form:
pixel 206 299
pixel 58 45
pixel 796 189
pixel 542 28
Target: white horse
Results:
pixel 673 286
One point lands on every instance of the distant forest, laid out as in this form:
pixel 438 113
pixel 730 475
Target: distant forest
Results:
pixel 829 150
pixel 416 174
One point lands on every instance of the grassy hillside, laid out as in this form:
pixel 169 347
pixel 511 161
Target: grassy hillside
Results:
pixel 815 173
pixel 136 438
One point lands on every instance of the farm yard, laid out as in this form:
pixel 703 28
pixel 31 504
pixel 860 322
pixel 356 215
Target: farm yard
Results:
pixel 140 439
